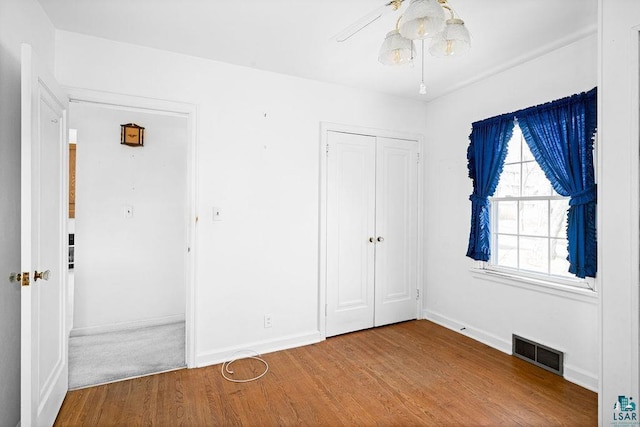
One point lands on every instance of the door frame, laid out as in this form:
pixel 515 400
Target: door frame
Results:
pixel 325 128
pixel 189 112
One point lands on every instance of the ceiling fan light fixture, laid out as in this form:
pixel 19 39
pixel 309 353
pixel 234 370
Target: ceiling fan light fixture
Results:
pixel 422 19
pixel 453 41
pixel 396 49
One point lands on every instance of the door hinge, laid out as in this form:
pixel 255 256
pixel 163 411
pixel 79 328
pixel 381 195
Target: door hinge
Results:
pixel 417 294
pixel 327 149
pixel 418 157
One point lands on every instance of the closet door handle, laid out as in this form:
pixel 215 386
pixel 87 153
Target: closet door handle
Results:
pixel 44 275
pixel 380 239
pixel 371 239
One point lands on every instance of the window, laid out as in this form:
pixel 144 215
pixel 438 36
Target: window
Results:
pixel 529 219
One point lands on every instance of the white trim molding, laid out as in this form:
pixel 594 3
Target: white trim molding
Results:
pixel 543 286
pixel 189 112
pixel 116 327
pixel 261 347
pixel 477 334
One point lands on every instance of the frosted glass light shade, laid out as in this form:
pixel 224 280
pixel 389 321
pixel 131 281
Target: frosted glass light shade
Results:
pixel 396 50
pixel 453 41
pixel 423 19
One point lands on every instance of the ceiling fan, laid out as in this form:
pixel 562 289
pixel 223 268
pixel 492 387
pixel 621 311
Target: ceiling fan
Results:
pixel 422 20
pixel 367 20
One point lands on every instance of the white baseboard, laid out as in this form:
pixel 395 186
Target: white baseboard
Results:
pixel 261 347
pixel 158 321
pixel 477 334
pixel 582 378
pixel 571 373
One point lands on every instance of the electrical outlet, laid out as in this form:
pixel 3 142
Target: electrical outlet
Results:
pixel 267 321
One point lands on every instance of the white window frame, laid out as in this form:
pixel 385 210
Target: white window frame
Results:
pixel 531 277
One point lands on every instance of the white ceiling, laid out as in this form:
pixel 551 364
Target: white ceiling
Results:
pixel 295 36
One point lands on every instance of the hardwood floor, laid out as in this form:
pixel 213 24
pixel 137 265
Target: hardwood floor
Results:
pixel 413 373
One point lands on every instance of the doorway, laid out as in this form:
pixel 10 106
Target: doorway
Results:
pixel 131 243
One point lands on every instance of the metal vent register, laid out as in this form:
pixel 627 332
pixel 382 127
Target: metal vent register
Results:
pixel 538 354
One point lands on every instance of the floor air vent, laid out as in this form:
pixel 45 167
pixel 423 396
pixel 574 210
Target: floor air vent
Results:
pixel 538 354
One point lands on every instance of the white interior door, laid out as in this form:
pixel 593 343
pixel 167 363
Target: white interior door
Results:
pixel 350 226
pixel 396 231
pixel 43 333
pixel 371 250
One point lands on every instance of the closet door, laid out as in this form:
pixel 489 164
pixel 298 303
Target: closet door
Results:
pixel 396 231
pixel 350 225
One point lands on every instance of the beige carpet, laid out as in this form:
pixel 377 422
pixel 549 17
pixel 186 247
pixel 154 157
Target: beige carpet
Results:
pixel 102 358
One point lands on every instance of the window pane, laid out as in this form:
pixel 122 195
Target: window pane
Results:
pixel 526 152
pixel 514 147
pixel 559 253
pixel 559 218
pixel 534 220
pixel 528 235
pixel 534 183
pixel 509 184
pixel 534 254
pixel 507 214
pixel 506 254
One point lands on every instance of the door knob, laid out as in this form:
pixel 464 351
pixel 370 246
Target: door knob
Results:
pixel 380 239
pixel 22 278
pixel 44 275
pixel 371 239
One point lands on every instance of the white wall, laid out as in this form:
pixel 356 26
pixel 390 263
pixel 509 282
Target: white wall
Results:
pixel 618 202
pixel 21 21
pixel 129 270
pixel 258 159
pixel 263 171
pixel 492 310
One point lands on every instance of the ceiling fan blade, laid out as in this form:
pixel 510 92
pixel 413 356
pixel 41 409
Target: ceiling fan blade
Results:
pixel 366 20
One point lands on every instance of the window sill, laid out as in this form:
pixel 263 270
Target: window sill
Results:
pixel 538 285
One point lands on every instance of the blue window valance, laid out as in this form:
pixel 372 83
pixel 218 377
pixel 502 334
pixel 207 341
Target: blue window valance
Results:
pixel 560 135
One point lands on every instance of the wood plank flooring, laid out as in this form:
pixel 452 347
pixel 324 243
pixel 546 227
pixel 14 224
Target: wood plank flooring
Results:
pixel 413 373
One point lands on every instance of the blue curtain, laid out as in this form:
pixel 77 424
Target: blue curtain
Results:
pixel 485 155
pixel 560 136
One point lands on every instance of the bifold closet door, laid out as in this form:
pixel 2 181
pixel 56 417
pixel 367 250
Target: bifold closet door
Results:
pixel 350 207
pixel 371 231
pixel 396 231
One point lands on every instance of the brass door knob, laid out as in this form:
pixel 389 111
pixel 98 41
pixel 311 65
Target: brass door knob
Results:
pixel 22 278
pixel 44 275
